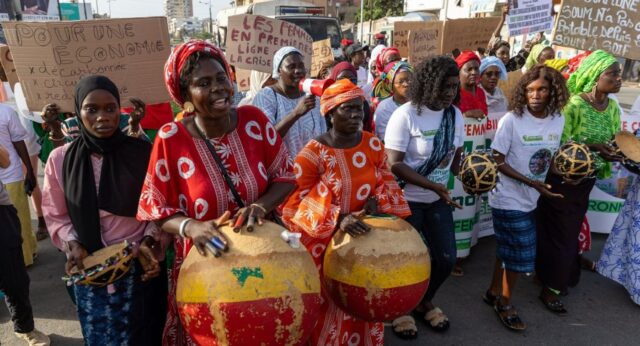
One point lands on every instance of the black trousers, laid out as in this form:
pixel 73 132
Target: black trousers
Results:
pixel 14 281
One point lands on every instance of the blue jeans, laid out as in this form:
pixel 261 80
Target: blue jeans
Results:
pixel 434 221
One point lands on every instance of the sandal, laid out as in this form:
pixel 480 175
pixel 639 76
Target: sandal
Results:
pixel 457 271
pixel 405 328
pixel 490 299
pixel 42 234
pixel 511 321
pixel 587 264
pixel 554 305
pixel 438 321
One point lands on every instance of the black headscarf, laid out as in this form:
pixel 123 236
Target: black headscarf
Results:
pixel 124 166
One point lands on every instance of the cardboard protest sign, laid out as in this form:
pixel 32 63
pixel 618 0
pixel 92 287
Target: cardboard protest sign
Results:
pixel 7 64
pixel 508 85
pixel 468 33
pixel 529 16
pixel 252 41
pixel 483 6
pixel 401 35
pixel 243 78
pixel 424 43
pixel 52 57
pixel 322 53
pixel 613 26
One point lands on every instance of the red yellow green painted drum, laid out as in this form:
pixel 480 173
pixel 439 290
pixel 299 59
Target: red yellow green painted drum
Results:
pixel 380 275
pixel 261 292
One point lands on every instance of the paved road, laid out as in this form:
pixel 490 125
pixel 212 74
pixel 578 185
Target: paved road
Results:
pixel 600 310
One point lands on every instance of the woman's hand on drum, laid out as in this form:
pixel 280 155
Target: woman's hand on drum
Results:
pixel 353 225
pixel 544 189
pixel 445 194
pixel 202 233
pixel 148 259
pixel 249 216
pixel 605 151
pixel 76 254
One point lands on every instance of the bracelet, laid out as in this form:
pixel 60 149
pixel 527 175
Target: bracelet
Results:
pixel 259 207
pixel 183 227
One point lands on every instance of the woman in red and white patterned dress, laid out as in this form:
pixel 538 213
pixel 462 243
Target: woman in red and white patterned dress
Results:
pixel 185 188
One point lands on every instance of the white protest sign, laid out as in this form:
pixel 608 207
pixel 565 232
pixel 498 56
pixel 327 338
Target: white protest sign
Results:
pixel 529 16
pixel 482 6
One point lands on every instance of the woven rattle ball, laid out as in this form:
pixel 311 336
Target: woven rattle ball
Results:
pixel 574 161
pixel 478 173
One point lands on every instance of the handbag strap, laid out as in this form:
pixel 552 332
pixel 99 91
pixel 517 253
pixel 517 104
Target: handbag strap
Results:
pixel 227 178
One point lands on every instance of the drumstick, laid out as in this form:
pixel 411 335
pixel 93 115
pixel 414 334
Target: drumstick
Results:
pixel 217 243
pixel 251 223
pixel 239 222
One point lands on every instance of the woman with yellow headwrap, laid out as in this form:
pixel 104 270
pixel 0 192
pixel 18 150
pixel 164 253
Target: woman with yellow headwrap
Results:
pixel 593 118
pixel 539 54
pixel 344 156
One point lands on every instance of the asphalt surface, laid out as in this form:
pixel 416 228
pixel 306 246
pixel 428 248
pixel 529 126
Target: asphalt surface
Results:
pixel 600 311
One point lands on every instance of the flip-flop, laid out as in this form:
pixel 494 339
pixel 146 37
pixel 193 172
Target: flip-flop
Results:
pixel 405 327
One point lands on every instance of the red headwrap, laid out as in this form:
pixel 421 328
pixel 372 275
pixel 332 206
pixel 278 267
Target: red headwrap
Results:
pixel 177 59
pixel 465 57
pixel 338 93
pixel 336 70
pixel 379 36
pixel 383 56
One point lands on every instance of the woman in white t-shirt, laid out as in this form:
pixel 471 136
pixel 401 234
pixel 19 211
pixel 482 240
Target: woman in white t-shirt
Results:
pixel 524 145
pixel 423 140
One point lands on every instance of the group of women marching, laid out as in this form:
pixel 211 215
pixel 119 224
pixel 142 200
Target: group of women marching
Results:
pixel 319 164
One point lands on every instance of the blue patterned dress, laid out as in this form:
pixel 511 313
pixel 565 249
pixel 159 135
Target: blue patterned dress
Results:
pixel 620 258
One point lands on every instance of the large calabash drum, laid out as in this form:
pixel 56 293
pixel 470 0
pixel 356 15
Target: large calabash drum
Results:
pixel 261 292
pixel 380 275
pixel 574 161
pixel 478 173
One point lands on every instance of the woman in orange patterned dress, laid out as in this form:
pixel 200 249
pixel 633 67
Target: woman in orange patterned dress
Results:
pixel 341 175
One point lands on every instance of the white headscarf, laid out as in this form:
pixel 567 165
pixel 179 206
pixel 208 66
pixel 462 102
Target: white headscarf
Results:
pixel 372 63
pixel 280 55
pixel 256 83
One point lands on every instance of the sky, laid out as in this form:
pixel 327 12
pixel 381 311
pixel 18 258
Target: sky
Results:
pixel 148 8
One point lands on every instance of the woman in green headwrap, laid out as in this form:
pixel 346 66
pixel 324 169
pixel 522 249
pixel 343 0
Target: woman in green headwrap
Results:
pixel 591 117
pixel 539 54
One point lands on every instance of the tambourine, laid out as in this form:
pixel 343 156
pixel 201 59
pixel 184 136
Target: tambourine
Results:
pixel 575 162
pixel 478 173
pixel 103 266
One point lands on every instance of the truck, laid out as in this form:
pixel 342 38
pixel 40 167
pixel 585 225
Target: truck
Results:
pixel 310 17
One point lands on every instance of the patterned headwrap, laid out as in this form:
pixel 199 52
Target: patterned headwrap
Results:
pixel 338 93
pixel 574 62
pixel 557 64
pixel 587 75
pixel 384 87
pixel 343 66
pixel 178 58
pixel 532 59
pixel 465 57
pixel 281 54
pixel 493 61
pixel 384 55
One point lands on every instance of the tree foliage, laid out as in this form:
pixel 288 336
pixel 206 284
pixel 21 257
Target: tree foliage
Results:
pixel 376 9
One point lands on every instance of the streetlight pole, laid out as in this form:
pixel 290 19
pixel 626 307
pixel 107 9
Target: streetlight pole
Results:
pixel 210 18
pixel 361 21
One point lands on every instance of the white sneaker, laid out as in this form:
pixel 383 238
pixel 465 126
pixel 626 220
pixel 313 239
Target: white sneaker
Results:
pixel 35 338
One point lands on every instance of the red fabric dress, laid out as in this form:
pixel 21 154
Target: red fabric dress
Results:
pixel 333 182
pixel 184 178
pixel 469 101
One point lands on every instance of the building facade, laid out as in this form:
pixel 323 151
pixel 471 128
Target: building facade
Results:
pixel 178 8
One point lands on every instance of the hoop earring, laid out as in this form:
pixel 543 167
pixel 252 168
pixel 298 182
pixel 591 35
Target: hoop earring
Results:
pixel 188 107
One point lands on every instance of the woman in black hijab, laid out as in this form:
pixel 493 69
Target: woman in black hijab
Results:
pixel 90 198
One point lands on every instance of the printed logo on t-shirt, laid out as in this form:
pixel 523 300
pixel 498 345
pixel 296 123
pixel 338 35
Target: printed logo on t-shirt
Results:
pixel 429 133
pixel 554 137
pixel 532 138
pixel 539 162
